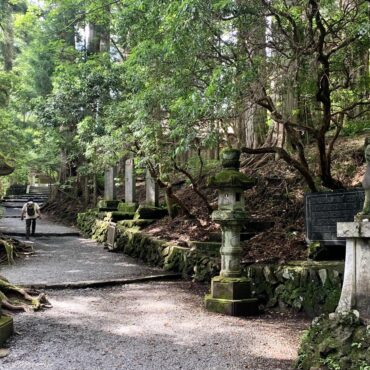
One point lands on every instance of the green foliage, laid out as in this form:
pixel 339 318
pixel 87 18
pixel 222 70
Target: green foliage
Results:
pixel 356 127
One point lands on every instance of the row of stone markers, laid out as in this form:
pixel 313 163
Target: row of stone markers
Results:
pixel 152 190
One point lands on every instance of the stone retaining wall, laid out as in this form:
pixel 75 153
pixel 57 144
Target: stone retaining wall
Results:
pixel 313 287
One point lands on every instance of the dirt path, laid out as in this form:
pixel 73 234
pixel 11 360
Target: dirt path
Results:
pixel 148 326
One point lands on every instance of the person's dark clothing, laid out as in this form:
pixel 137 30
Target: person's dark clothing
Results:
pixel 30 226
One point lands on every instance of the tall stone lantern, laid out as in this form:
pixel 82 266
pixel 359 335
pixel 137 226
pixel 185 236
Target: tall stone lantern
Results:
pixel 230 292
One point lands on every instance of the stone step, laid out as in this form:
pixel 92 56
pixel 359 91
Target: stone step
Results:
pixel 38 189
pixel 37 200
pixel 15 205
pixel 47 234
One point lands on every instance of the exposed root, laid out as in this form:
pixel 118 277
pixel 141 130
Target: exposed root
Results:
pixel 15 298
pixel 11 249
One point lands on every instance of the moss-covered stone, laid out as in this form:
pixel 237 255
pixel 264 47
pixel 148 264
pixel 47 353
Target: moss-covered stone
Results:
pixel 137 222
pixel 242 307
pixel 230 178
pixel 108 204
pixel 6 328
pixel 86 221
pixel 335 341
pixel 298 285
pixel 150 213
pixel 119 215
pixel 126 207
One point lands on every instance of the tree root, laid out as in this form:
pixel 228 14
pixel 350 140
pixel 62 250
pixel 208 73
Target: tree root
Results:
pixel 12 248
pixel 15 298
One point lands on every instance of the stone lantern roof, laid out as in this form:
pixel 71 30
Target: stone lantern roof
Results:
pixel 230 176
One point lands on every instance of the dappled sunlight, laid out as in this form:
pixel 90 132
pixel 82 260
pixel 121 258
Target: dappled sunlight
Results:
pixel 73 271
pixel 75 306
pixel 87 241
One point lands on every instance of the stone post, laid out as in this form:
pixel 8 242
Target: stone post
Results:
pixel 356 287
pixel 152 190
pixel 355 293
pixel 130 181
pixel 109 184
pixel 230 292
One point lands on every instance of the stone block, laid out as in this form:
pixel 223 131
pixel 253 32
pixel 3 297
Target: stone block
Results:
pixel 132 223
pixel 243 307
pixel 107 205
pixel 353 229
pixel 6 328
pixel 231 289
pixel 126 207
pixel 145 212
pixel 118 216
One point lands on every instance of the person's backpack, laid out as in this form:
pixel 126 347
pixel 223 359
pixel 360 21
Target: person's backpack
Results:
pixel 30 209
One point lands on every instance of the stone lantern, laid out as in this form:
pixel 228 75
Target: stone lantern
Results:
pixel 230 292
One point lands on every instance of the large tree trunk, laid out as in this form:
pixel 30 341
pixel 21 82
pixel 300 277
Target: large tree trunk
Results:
pixel 251 125
pixel 7 46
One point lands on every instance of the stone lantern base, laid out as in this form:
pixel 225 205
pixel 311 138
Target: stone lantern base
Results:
pixel 231 296
pixel 6 328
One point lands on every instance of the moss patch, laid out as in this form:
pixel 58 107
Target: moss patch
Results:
pixel 312 287
pixel 231 178
pixel 340 341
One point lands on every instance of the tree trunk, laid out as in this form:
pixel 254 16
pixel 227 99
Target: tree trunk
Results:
pixel 8 44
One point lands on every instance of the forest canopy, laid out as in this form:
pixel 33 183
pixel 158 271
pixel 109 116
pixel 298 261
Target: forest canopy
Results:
pixel 85 84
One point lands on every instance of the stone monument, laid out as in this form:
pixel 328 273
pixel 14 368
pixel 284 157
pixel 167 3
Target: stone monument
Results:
pixel 130 181
pixel 356 282
pixel 152 190
pixel 230 292
pixel 109 184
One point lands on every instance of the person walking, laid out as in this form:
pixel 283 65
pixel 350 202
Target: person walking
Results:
pixel 31 211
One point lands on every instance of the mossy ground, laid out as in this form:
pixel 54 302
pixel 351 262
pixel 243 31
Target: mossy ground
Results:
pixel 336 342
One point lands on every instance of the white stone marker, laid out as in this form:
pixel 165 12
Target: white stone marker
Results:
pixel 356 283
pixel 130 181
pixel 109 185
pixel 152 190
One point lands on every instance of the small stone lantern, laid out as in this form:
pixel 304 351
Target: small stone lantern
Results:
pixel 230 292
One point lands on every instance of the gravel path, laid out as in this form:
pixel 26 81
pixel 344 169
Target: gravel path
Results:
pixel 72 259
pixel 67 259
pixel 148 326
pixel 14 226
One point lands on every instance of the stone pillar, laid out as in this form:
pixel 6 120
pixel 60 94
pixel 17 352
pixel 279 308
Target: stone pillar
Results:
pixel 109 184
pixel 356 283
pixel 130 181
pixel 152 190
pixel 32 179
pixel 230 292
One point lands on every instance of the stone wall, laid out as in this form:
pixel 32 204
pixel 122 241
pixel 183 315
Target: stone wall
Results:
pixel 313 287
